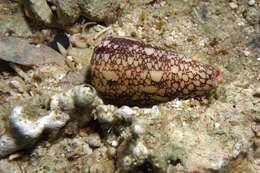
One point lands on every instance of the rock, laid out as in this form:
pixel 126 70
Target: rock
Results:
pixel 87 149
pixel 251 2
pixel 233 5
pixel 256 93
pixel 71 129
pixel 27 124
pixel 104 167
pixel 140 151
pixel 99 10
pixel 40 10
pixel 81 96
pixel 85 95
pixel 12 20
pixel 111 152
pixel 8 145
pixel 32 129
pixel 68 11
pixel 21 51
pixel 138 127
pixel 105 113
pixel 93 140
pixel 252 16
pixel 124 113
pixel 150 146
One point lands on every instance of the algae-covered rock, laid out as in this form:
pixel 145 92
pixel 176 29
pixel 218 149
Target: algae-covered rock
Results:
pixel 39 9
pixel 65 12
pixel 12 20
pixel 253 16
pixel 98 10
pixel 26 124
pixel 21 51
pixel 53 13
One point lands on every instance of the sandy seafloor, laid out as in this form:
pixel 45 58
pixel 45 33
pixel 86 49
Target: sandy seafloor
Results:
pixel 43 128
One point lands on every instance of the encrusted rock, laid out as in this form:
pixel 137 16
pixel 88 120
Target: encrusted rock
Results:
pixel 93 140
pixel 38 9
pixel 251 2
pixel 105 113
pixel 27 127
pixel 8 145
pixel 140 151
pixel 233 5
pixel 252 16
pixel 68 11
pixel 87 149
pixel 34 128
pixel 81 96
pixel 13 20
pixel 21 51
pixel 125 113
pixel 98 10
pixel 138 127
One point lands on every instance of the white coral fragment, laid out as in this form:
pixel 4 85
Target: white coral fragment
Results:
pixel 26 131
pixel 82 95
pixel 140 151
pixel 124 113
pixel 33 129
pixel 105 113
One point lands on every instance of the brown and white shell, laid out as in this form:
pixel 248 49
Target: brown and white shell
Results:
pixel 132 72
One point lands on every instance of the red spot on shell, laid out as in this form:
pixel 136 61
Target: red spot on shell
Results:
pixel 217 73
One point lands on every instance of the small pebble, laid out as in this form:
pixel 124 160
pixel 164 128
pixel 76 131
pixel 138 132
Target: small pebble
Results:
pixel 53 8
pixel 252 16
pixel 114 143
pixel 93 140
pixel 233 5
pixel 178 103
pixel 238 146
pixel 251 2
pixel 246 52
pixel 69 58
pixel 87 149
pixel 256 93
pixel 163 3
pixel 124 113
pixel 138 129
pixel 257 155
pixel 111 152
pixel 71 129
pixel 15 156
pixel 217 125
